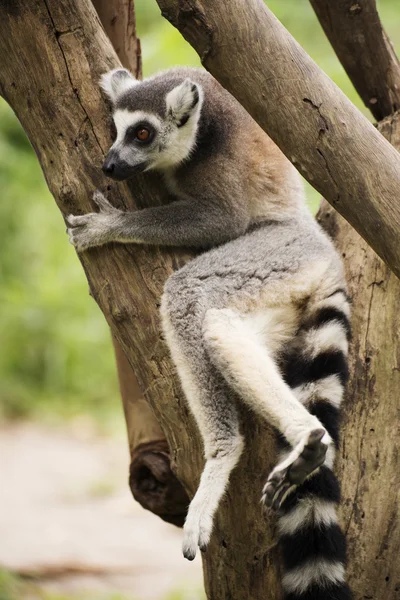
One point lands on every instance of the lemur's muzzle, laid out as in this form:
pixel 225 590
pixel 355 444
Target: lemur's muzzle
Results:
pixel 118 169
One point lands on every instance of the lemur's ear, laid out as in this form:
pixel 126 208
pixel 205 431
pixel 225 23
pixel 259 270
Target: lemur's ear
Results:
pixel 115 82
pixel 183 101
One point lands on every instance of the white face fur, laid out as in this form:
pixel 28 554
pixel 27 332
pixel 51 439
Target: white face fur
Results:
pixel 144 139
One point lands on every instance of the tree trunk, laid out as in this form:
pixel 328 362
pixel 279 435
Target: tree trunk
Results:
pixel 55 52
pixel 321 132
pixel 151 479
pixel 369 464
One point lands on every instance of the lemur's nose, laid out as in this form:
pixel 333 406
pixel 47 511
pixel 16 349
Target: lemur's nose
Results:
pixel 108 167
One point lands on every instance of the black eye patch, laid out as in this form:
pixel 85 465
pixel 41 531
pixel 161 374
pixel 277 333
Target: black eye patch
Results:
pixel 134 134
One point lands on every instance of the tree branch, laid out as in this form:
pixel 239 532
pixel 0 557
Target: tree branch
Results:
pixel 51 82
pixel 151 479
pixel 331 143
pixel 355 31
pixel 118 20
pixel 368 464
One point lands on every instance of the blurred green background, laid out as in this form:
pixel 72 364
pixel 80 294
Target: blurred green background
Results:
pixel 56 358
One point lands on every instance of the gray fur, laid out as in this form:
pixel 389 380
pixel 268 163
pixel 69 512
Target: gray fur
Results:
pixel 228 314
pixel 206 179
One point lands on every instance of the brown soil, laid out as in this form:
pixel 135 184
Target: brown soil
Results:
pixel 67 517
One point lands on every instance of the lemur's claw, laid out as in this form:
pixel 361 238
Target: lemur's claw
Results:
pixel 78 220
pixel 189 553
pixel 101 201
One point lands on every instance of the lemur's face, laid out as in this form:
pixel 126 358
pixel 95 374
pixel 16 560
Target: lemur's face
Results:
pixel 156 129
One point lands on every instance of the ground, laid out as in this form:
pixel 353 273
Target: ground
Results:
pixel 69 527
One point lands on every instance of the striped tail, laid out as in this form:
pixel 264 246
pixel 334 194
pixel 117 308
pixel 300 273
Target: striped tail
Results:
pixel 313 545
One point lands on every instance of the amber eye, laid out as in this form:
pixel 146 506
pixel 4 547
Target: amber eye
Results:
pixel 142 134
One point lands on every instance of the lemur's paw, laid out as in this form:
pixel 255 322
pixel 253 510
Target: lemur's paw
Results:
pixel 304 459
pixel 93 229
pixel 196 534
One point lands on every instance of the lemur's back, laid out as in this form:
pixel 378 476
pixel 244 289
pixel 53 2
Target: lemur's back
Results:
pixel 262 316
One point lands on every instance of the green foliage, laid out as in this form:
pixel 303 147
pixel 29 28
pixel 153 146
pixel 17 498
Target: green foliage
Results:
pixel 56 356
pixel 13 587
pixel 18 588
pixel 56 350
pixel 9 586
pixel 183 595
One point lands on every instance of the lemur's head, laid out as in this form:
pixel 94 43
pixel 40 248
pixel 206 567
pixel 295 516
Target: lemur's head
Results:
pixel 156 122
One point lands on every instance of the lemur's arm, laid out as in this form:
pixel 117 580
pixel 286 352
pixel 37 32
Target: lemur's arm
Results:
pixel 181 223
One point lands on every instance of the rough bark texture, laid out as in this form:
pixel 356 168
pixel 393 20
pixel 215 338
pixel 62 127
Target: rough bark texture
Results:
pixel 362 46
pixel 369 465
pixel 118 20
pixel 55 52
pixel 151 479
pixel 248 50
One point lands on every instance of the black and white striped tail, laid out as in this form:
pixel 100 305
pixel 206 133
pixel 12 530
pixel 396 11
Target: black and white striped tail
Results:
pixel 313 545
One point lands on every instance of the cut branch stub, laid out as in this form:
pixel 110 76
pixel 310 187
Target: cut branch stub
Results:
pixel 154 485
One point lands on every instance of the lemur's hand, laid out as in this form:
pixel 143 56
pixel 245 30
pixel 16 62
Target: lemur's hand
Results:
pixel 94 229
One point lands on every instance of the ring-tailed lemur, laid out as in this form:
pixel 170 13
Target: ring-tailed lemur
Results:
pixel 264 313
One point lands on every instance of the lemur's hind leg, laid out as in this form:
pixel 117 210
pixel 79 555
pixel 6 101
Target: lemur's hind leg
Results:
pixel 214 409
pixel 245 360
pixel 223 444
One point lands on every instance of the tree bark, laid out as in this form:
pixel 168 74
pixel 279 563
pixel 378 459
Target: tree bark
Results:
pixel 355 31
pixel 151 479
pixel 118 20
pixel 54 54
pixel 248 50
pixel 369 464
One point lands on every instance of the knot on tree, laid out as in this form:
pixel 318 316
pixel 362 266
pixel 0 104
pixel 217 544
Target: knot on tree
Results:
pixel 154 485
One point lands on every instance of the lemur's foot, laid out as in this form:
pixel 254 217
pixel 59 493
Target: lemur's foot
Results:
pixel 196 532
pixel 304 459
